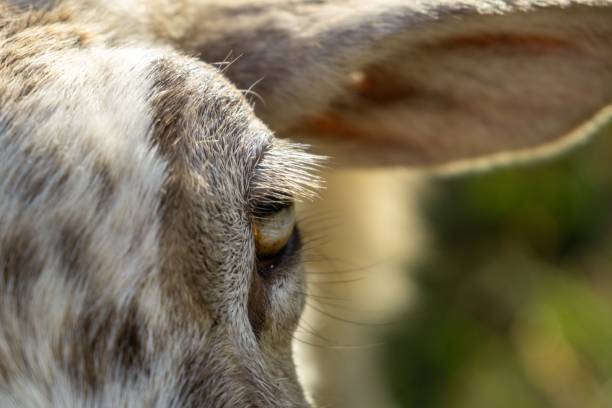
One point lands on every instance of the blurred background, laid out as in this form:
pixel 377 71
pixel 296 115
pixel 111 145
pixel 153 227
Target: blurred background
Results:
pixel 484 290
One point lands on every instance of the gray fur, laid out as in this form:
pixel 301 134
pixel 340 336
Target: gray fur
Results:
pixel 130 171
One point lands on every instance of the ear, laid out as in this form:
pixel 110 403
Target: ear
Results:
pixel 424 83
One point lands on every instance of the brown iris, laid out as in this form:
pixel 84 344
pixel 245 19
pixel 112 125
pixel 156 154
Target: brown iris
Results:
pixel 273 230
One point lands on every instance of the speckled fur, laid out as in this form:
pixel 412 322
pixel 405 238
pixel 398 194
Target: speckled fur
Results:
pixel 129 169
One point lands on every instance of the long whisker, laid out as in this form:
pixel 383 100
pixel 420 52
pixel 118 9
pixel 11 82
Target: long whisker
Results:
pixel 345 320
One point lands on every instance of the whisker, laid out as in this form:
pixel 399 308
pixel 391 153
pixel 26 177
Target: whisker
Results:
pixel 335 282
pixel 312 333
pixel 345 320
pixel 340 347
pixel 348 307
pixel 325 297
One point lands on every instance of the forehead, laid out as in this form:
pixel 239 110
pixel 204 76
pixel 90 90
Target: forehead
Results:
pixel 125 99
pixel 204 124
pixel 134 99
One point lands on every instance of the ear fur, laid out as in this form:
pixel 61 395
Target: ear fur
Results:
pixel 422 83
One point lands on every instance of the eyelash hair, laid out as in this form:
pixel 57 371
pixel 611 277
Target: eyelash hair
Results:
pixel 286 173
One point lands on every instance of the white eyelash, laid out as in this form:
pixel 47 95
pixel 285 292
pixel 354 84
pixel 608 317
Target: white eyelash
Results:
pixel 287 170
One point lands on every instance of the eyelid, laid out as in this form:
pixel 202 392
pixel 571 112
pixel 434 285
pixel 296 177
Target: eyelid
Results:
pixel 270 203
pixel 270 207
pixel 281 171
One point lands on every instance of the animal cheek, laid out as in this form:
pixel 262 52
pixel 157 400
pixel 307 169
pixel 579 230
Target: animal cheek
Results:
pixel 258 304
pixel 286 302
pixel 275 307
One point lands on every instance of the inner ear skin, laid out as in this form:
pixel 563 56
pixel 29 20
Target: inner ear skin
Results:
pixel 379 85
pixel 382 85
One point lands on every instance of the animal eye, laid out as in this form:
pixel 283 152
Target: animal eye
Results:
pixel 272 228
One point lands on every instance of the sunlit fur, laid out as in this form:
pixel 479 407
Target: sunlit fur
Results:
pixel 128 174
pixel 130 168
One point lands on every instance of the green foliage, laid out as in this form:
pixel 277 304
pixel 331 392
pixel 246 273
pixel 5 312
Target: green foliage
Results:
pixel 515 298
